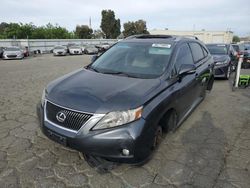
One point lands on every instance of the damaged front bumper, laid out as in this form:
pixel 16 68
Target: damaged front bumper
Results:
pixel 107 143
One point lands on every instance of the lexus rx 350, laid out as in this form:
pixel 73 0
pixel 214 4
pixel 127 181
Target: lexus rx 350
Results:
pixel 116 108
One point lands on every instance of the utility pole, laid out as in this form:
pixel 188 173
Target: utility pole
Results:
pixel 90 22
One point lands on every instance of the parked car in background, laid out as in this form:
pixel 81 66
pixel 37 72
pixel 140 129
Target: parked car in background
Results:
pixel 116 108
pixel 83 47
pixel 103 47
pixel 246 61
pixel 59 51
pixel 25 51
pixel 239 48
pixel 75 50
pixel 1 51
pixel 13 53
pixel 69 45
pixel 90 49
pixel 224 58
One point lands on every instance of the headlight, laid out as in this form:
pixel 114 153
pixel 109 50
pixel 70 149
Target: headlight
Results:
pixel 221 62
pixel 114 119
pixel 44 95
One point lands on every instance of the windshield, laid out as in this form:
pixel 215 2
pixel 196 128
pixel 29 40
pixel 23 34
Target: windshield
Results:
pixel 217 49
pixel 12 49
pixel 247 46
pixel 75 47
pixel 141 60
pixel 236 48
pixel 59 47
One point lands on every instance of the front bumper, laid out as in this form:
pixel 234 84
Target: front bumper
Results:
pixel 221 70
pixel 107 143
pixel 60 53
pixel 75 52
pixel 8 57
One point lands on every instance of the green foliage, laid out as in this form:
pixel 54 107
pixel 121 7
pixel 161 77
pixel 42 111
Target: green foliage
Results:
pixel 83 32
pixel 23 31
pixel 236 38
pixel 110 26
pixel 134 28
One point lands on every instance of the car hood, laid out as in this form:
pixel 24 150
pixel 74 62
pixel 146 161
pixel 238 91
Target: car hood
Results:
pixel 93 92
pixel 220 58
pixel 75 49
pixel 59 50
pixel 12 52
pixel 92 49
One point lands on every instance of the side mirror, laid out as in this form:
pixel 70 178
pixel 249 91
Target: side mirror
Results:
pixel 187 69
pixel 94 58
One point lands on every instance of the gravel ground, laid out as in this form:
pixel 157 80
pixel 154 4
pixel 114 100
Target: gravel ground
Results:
pixel 210 149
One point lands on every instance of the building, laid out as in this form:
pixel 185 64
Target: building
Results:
pixel 205 36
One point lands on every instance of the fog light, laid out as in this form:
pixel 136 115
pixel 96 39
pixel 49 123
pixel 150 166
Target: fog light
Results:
pixel 125 152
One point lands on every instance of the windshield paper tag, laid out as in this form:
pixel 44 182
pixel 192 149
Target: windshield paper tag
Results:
pixel 161 45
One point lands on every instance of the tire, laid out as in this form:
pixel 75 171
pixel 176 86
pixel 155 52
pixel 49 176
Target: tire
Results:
pixel 210 83
pixel 100 164
pixel 228 73
pixel 169 121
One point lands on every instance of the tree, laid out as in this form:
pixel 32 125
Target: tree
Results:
pixel 236 38
pixel 3 27
pixel 83 32
pixel 110 26
pixel 134 28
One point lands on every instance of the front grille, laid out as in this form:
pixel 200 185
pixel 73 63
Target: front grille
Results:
pixel 74 120
pixel 218 72
pixel 11 55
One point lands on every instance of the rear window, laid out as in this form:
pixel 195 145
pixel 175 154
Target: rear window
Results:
pixel 196 51
pixel 236 48
pixel 220 49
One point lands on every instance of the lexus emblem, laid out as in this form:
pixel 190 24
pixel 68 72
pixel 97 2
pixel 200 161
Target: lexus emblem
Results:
pixel 61 116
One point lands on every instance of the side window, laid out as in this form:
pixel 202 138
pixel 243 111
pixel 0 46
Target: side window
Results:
pixel 183 56
pixel 205 52
pixel 196 51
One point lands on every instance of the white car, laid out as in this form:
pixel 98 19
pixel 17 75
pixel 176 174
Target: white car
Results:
pixel 59 50
pixel 13 53
pixel 75 50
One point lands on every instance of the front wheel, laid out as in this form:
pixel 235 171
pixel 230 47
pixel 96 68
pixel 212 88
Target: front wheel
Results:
pixel 102 165
pixel 169 121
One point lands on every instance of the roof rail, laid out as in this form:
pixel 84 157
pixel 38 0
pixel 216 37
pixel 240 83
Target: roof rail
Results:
pixel 148 36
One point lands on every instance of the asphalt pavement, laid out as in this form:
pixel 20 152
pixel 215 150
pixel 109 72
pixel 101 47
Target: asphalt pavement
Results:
pixel 210 149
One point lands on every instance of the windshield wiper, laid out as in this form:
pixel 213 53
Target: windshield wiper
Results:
pixel 91 68
pixel 120 73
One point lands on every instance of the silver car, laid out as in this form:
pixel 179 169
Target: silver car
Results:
pixel 59 50
pixel 91 50
pixel 13 53
pixel 75 50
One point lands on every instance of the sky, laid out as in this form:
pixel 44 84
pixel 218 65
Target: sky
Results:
pixel 188 15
